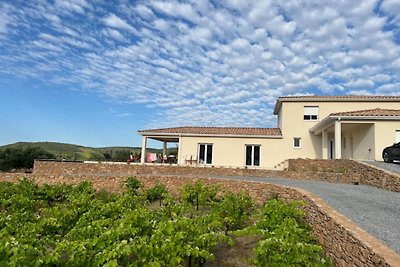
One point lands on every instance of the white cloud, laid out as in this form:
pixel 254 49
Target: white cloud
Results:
pixel 114 21
pixel 176 9
pixel 77 6
pixel 5 17
pixel 392 8
pixel 144 11
pixel 115 34
pixel 196 62
pixel 389 89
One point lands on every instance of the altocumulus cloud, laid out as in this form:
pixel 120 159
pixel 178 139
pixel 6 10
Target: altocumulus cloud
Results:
pixel 204 62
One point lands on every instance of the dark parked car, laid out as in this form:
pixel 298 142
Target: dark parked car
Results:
pixel 391 153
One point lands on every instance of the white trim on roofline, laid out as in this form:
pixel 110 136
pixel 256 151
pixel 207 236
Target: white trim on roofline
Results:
pixel 374 118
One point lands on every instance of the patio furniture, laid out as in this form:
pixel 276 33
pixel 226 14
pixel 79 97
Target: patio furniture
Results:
pixel 191 160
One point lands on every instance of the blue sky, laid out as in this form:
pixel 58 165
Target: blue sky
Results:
pixel 94 72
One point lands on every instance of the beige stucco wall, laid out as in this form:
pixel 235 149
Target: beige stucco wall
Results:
pixel 385 135
pixel 358 140
pixel 230 151
pixel 363 141
pixel 368 138
pixel 293 125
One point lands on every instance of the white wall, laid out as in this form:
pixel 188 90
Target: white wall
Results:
pixel 385 135
pixel 230 151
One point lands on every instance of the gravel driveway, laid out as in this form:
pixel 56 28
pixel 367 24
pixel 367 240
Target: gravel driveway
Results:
pixel 376 210
pixel 391 167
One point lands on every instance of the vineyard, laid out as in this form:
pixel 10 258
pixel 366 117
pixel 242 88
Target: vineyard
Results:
pixel 66 225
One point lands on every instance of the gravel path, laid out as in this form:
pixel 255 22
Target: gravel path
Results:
pixel 375 210
pixel 392 167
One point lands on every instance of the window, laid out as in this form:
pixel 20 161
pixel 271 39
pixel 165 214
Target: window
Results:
pixel 252 155
pixel 297 142
pixel 311 113
pixel 205 153
pixel 397 136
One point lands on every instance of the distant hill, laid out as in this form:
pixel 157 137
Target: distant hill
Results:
pixel 77 152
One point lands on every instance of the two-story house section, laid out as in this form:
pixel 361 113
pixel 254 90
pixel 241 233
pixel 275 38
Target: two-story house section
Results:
pixel 339 127
pixel 322 127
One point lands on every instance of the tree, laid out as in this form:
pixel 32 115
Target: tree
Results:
pixel 22 158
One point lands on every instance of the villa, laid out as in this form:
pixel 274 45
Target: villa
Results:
pixel 315 127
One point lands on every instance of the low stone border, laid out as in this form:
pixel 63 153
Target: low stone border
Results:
pixel 344 242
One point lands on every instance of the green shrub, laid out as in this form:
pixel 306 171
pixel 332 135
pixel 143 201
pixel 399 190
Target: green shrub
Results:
pixel 289 245
pixel 286 238
pixel 275 212
pixel 68 225
pixel 157 192
pixel 199 194
pixel 133 185
pixel 234 210
pixel 105 196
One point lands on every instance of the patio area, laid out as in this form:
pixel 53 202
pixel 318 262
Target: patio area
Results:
pixel 161 158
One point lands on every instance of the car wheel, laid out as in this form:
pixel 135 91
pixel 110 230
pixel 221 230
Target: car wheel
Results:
pixel 386 157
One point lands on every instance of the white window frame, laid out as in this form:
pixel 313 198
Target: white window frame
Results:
pixel 252 155
pixel 311 111
pixel 205 153
pixel 294 142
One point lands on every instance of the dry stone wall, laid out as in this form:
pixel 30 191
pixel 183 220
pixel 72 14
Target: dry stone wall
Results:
pixel 345 171
pixel 344 242
pixel 333 171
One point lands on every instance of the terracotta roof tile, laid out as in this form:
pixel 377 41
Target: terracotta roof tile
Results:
pixel 334 98
pixel 216 131
pixel 340 97
pixel 377 112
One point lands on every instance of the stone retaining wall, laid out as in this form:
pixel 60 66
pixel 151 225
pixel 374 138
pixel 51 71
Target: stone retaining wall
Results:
pixel 345 171
pixel 117 169
pixel 333 171
pixel 13 176
pixel 344 242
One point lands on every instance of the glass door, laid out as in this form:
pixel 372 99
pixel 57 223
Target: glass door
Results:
pixel 205 153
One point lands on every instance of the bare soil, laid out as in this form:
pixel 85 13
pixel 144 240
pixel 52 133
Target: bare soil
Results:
pixel 237 255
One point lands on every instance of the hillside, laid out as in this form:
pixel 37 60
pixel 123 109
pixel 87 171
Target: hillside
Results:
pixel 78 152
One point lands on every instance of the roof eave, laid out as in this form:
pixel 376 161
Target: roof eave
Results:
pixel 278 105
pixel 333 99
pixel 280 100
pixel 210 135
pixel 317 128
pixel 374 118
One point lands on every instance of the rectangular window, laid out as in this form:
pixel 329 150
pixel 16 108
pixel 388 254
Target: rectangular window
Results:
pixel 205 153
pixel 252 155
pixel 297 142
pixel 397 136
pixel 311 113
